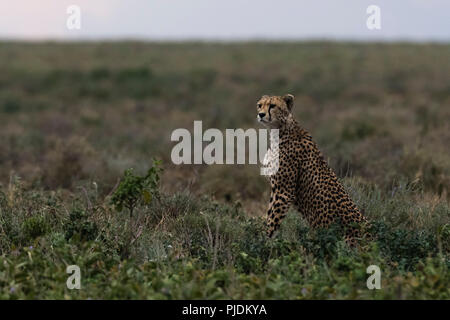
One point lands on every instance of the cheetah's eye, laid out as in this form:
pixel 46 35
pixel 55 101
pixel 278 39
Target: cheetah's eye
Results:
pixel 259 105
pixel 272 106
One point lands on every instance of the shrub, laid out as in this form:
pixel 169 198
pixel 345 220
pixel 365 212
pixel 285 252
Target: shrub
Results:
pixel 357 130
pixel 11 105
pixel 134 190
pixel 66 162
pixel 34 227
pixel 79 226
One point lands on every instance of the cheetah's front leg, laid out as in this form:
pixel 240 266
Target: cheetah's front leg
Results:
pixel 281 199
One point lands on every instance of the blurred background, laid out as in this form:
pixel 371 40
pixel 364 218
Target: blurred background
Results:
pixel 81 105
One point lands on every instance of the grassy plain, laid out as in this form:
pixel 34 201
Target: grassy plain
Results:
pixel 75 116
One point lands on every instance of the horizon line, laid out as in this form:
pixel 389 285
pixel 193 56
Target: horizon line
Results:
pixel 224 40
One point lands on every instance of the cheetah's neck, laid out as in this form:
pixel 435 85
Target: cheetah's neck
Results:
pixel 292 129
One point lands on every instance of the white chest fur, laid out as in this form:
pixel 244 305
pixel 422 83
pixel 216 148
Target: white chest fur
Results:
pixel 270 163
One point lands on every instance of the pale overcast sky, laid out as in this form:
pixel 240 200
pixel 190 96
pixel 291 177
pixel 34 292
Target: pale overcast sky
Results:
pixel 416 20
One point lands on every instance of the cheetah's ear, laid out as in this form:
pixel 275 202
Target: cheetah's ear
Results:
pixel 289 99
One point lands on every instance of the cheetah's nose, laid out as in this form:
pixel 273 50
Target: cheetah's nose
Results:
pixel 261 114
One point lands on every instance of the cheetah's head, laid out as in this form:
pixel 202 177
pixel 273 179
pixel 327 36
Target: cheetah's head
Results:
pixel 274 111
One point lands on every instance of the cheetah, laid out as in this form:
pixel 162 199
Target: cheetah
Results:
pixel 304 179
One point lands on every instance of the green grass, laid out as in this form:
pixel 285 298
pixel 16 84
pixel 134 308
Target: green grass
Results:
pixel 75 116
pixel 185 247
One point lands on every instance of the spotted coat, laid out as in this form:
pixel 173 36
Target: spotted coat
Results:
pixel 304 179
